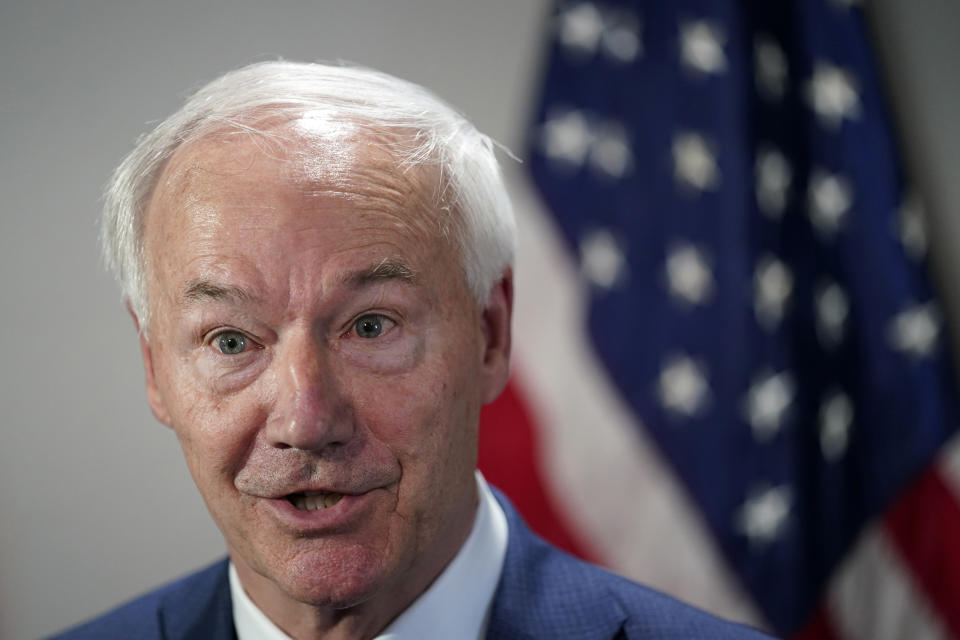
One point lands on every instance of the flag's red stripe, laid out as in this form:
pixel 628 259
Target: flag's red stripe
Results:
pixel 819 627
pixel 509 460
pixel 924 526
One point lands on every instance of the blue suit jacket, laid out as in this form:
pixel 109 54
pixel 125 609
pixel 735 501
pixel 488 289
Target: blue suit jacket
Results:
pixel 543 593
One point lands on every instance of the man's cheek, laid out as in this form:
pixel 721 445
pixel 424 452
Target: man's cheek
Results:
pixel 211 435
pixel 416 432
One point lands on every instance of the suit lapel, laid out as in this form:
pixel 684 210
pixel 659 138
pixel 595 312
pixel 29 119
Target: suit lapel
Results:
pixel 201 609
pixel 544 593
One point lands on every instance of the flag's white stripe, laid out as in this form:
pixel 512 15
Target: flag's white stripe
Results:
pixel 949 466
pixel 873 597
pixel 607 477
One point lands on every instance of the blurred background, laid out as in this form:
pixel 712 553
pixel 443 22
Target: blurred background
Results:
pixel 96 504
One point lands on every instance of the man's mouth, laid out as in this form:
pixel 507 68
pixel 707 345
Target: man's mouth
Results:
pixel 313 500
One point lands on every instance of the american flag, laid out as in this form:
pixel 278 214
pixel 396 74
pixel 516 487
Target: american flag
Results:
pixel 731 378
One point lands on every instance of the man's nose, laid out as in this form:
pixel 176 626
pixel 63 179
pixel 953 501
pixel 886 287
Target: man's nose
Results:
pixel 310 412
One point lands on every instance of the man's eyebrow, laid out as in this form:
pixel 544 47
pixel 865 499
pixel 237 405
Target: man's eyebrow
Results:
pixel 199 290
pixel 386 269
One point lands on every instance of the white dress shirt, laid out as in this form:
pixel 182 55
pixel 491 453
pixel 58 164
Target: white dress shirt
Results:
pixel 456 604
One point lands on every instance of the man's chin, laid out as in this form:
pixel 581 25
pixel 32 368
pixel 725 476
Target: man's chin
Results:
pixel 338 580
pixel 337 588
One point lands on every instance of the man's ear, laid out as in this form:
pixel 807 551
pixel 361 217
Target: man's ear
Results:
pixel 154 397
pixel 496 330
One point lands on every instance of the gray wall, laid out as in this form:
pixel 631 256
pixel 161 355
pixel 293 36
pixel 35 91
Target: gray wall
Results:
pixel 95 501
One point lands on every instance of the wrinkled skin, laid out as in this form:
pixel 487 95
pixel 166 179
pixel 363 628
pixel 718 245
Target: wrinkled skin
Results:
pixel 273 255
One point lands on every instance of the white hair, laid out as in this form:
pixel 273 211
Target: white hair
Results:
pixel 432 131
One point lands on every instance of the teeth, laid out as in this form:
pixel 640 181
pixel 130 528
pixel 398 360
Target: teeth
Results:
pixel 316 501
pixel 331 499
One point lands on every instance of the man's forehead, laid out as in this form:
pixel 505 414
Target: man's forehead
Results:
pixel 306 152
pixel 298 158
pixel 224 193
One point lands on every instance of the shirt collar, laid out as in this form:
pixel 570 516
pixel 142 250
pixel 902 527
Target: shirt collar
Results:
pixel 456 604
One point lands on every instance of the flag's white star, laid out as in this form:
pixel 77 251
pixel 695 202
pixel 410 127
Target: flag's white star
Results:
pixel 772 287
pixel 688 274
pixel 913 227
pixel 610 151
pixel 832 92
pixel 830 198
pixel 701 46
pixel 836 421
pixel 694 163
pixel 621 40
pixel 832 308
pixel 601 259
pixel 764 515
pixel 770 67
pixel 773 181
pixel 580 28
pixel 566 137
pixel 767 402
pixel 915 331
pixel 683 386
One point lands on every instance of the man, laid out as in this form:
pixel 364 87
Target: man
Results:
pixel 318 261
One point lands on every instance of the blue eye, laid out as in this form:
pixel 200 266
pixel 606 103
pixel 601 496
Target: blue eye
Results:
pixel 369 326
pixel 232 343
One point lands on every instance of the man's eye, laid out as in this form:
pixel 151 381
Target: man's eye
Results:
pixel 370 325
pixel 232 343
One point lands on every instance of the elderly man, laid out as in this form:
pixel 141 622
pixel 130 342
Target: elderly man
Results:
pixel 318 261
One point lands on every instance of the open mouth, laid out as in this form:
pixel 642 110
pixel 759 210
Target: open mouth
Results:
pixel 313 500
